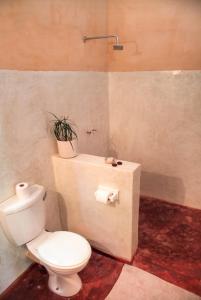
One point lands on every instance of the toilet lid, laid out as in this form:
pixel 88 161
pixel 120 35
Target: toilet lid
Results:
pixel 64 248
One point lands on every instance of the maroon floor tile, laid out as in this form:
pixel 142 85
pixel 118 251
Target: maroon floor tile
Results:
pixel 170 243
pixel 98 279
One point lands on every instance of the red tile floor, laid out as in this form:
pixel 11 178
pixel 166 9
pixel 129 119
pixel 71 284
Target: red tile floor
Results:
pixel 98 279
pixel 170 243
pixel 169 247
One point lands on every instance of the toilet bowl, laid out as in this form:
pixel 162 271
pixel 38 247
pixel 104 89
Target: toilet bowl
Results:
pixel 62 253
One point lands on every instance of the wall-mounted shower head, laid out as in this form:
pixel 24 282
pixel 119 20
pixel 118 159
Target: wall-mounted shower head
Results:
pixel 117 46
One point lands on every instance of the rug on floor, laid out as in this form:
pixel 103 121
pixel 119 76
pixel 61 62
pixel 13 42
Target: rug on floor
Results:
pixel 136 284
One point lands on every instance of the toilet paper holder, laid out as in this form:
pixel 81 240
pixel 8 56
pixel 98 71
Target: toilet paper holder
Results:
pixel 112 195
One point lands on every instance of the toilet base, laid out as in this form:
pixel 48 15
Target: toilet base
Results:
pixel 66 286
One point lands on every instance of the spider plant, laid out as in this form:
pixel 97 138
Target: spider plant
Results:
pixel 63 129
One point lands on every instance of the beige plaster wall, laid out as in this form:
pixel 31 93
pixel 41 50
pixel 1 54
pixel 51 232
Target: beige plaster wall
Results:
pixel 26 144
pixel 156 34
pixel 111 228
pixel 47 34
pixel 155 120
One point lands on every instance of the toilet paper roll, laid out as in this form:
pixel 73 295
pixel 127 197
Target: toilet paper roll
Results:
pixel 103 196
pixel 22 190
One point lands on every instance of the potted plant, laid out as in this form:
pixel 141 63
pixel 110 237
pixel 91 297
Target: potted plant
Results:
pixel 66 137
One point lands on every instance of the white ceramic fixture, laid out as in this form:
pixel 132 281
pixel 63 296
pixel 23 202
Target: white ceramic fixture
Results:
pixel 62 253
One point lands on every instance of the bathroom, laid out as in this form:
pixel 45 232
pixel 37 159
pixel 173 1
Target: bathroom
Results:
pixel 134 95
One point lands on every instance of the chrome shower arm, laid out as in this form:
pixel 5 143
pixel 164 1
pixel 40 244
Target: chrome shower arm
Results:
pixel 98 37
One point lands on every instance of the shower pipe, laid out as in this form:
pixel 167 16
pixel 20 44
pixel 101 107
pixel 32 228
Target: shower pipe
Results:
pixel 117 46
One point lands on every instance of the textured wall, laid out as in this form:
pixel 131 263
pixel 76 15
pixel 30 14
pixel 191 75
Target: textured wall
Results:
pixel 26 143
pixel 157 34
pixel 47 34
pixel 155 119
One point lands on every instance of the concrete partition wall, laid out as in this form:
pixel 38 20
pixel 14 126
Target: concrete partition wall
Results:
pixel 112 228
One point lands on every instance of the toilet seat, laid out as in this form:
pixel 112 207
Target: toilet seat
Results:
pixel 61 249
pixel 64 249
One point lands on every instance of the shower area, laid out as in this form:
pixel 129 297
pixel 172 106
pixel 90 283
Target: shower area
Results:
pixel 129 74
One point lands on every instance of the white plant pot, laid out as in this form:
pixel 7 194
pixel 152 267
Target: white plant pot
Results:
pixel 66 150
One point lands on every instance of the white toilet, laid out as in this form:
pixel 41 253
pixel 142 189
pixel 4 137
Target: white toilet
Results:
pixel 62 253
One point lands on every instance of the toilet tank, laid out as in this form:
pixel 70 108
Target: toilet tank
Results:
pixel 23 219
